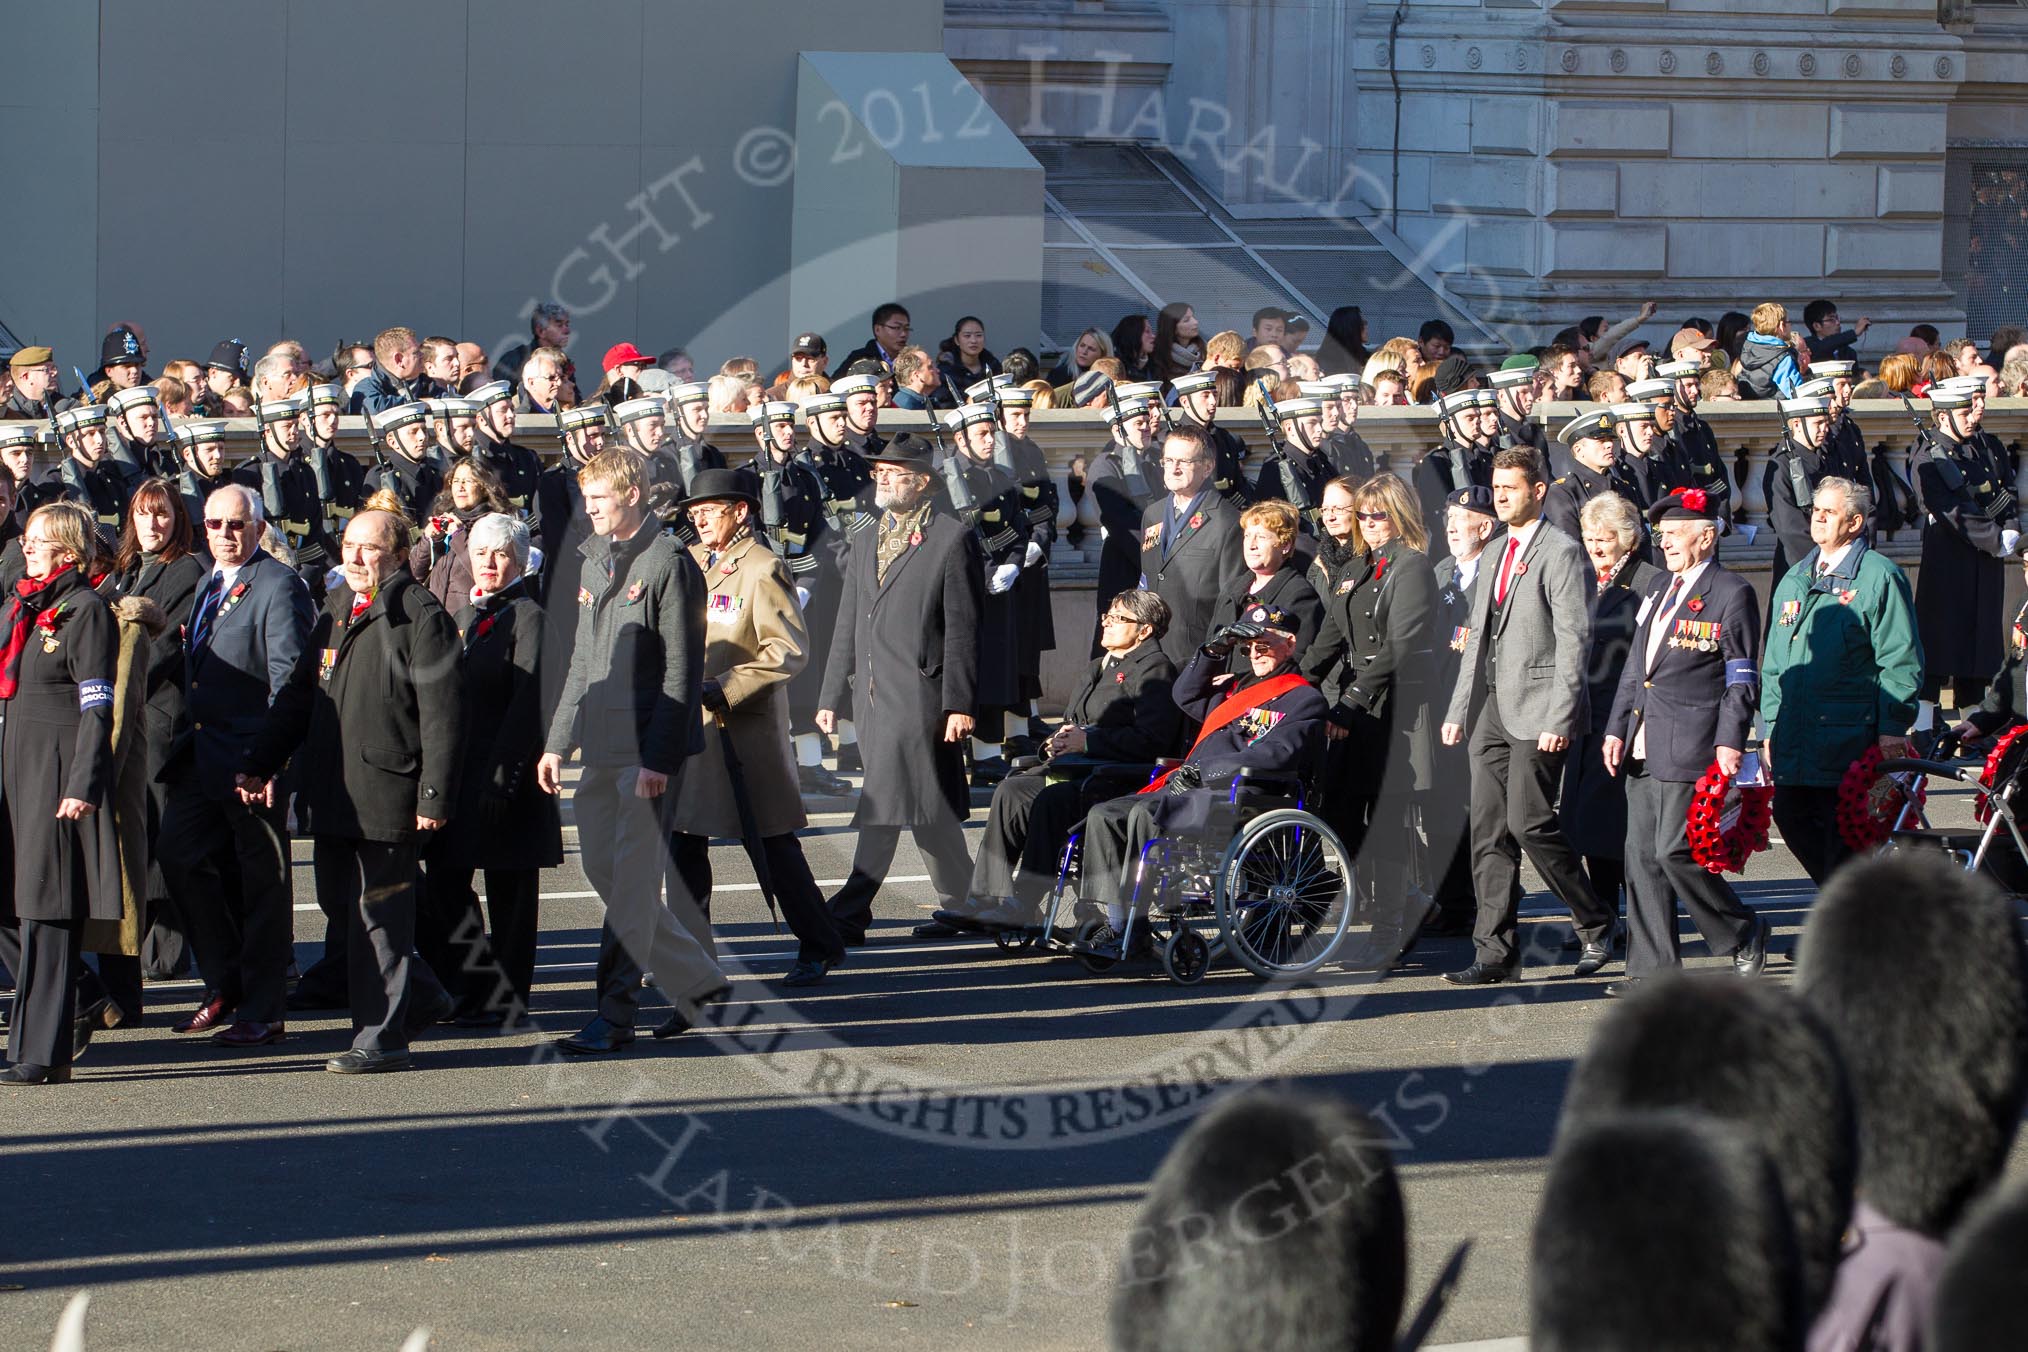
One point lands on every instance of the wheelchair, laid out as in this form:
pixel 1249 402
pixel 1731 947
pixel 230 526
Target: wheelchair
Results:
pixel 1993 845
pixel 1276 895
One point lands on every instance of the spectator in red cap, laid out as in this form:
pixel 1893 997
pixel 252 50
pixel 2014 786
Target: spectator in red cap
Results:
pixel 623 361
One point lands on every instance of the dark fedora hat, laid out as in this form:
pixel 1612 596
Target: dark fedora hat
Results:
pixel 722 485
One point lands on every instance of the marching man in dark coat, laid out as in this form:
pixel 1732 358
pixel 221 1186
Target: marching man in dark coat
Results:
pixel 504 822
pixel 755 641
pixel 1686 699
pixel 378 776
pixel 1269 720
pixel 1192 550
pixel 1967 533
pixel 907 641
pixel 631 707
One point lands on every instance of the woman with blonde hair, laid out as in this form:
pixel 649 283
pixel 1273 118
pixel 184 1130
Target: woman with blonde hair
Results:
pixel 1045 397
pixel 1374 661
pixel 1089 347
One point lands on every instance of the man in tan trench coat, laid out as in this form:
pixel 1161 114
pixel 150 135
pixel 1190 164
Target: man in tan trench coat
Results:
pixel 755 640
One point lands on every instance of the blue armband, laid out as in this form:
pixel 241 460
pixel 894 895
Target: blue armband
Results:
pixel 1741 672
pixel 94 695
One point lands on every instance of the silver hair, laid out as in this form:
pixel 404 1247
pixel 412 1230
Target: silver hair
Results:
pixel 498 528
pixel 1610 511
pixel 255 512
pixel 1858 497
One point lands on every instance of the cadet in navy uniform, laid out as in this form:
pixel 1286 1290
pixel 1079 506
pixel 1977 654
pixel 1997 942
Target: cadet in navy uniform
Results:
pixel 1197 405
pixel 1968 531
pixel 1645 475
pixel 1458 461
pixel 204 468
pixel 835 456
pixel 1793 472
pixel 1513 387
pixel 402 466
pixel 859 387
pixel 1270 720
pixel 1592 452
pixel 139 440
pixel 988 500
pixel 1297 470
pixel 1121 481
pixel 1686 700
pixel 1693 444
pixel 88 475
pixel 1845 442
pixel 1192 552
pixel 517 467
pixel 560 524
pixel 1039 504
pixel 288 489
pixel 1350 456
pixel 341 479
pixel 1687 468
pixel 683 455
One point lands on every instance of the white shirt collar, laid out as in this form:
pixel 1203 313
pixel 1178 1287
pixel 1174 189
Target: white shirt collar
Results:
pixel 1828 560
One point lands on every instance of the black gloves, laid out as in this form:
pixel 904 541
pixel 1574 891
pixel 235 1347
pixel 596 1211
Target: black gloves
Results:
pixel 714 698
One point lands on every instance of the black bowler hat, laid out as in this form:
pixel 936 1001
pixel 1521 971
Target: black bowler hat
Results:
pixel 721 485
pixel 909 450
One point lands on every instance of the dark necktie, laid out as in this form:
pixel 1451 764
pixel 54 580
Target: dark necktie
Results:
pixel 200 625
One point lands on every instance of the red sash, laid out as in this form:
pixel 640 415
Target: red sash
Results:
pixel 1235 704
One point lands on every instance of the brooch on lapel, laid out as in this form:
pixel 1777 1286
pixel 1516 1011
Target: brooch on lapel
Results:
pixel 48 622
pixel 231 599
pixel 636 590
pixel 584 596
pixel 1345 586
pixel 1520 568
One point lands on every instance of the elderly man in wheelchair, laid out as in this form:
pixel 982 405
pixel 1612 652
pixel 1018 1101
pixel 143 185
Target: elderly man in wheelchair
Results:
pixel 1262 730
pixel 1122 719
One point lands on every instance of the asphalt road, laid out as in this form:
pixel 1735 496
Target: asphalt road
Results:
pixel 939 1144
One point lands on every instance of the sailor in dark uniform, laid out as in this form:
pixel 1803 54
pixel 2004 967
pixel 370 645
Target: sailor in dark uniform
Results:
pixel 832 451
pixel 683 455
pixel 1039 502
pixel 514 465
pixel 1297 469
pixel 1350 456
pixel 401 434
pixel 1645 477
pixel 1513 387
pixel 1844 442
pixel 288 487
pixel 1457 462
pixel 861 392
pixel 1968 530
pixel 1693 445
pixel 560 524
pixel 1197 406
pixel 642 426
pixel 1684 470
pixel 1123 480
pixel 1793 472
pixel 987 499
pixel 18 441
pixel 87 474
pixel 1592 450
pixel 454 425
pixel 340 477
pixel 141 440
pixel 201 446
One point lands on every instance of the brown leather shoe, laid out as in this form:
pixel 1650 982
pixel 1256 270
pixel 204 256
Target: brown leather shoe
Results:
pixel 249 1033
pixel 209 1015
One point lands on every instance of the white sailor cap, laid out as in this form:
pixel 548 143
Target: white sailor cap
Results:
pixel 968 414
pixel 122 400
pixel 396 416
pixel 1509 377
pixel 491 393
pixel 1014 396
pixel 1190 382
pixel 200 432
pixel 774 411
pixel 84 415
pixel 1150 390
pixel 279 410
pixel 978 390
pixel 1833 369
pixel 636 410
pixel 1943 398
pixel 850 385
pixel 18 433
pixel 1486 398
pixel 1650 389
pixel 1632 413
pixel 1126 408
pixel 1805 406
pixel 1317 389
pixel 691 392
pixel 1968 384
pixel 1345 382
pixel 581 416
pixel 318 395
pixel 1679 370
pixel 824 401
pixel 1288 410
pixel 1818 388
pixel 451 408
pixel 1456 402
pixel 1596 425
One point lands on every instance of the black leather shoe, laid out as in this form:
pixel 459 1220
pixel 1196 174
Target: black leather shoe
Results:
pixel 936 927
pixel 988 772
pixel 359 1061
pixel 423 1016
pixel 1752 955
pixel 821 783
pixel 1481 974
pixel 676 1025
pixel 1595 957
pixel 25 1074
pixel 849 761
pixel 82 1027
pixel 480 1018
pixel 809 971
pixel 597 1038
pixel 1626 985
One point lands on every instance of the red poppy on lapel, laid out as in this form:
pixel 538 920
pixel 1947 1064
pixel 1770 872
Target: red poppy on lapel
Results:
pixel 1695 605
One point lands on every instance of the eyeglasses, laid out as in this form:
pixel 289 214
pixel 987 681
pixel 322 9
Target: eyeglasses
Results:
pixel 897 326
pixel 1114 617
pixel 232 524
pixel 37 542
pixel 1371 516
pixel 1182 464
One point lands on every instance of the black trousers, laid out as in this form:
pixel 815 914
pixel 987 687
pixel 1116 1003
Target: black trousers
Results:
pixel 624 844
pixel 1660 873
pixel 1026 828
pixel 1966 690
pixel 387 984
pixel 244 936
pixel 1807 817
pixel 1514 788
pixel 942 843
pixel 324 983
pixel 1115 834
pixel 485 968
pixel 796 891
pixel 45 965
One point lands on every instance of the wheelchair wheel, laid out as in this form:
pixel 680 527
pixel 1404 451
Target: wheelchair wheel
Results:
pixel 1284 896
pixel 1014 941
pixel 1093 964
pixel 1186 957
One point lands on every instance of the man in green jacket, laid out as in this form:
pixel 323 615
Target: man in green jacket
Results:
pixel 1841 673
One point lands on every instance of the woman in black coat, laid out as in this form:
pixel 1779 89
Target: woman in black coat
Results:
pixel 504 823
pixel 1268 545
pixel 439 558
pixel 59 647
pixel 1594 806
pixel 1374 654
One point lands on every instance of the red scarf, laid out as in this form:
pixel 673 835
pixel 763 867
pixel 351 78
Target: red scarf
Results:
pixel 1237 703
pixel 20 619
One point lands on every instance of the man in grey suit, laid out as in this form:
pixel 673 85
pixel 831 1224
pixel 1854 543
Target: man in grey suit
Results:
pixel 247 697
pixel 1525 651
pixel 1190 543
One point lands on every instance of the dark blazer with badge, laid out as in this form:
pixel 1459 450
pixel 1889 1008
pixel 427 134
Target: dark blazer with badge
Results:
pixel 1287 588
pixel 503 818
pixel 248 686
pixel 1191 568
pixel 1283 736
pixel 1374 649
pixel 909 646
pixel 634 695
pixel 384 741
pixel 1700 690
pixel 997 517
pixel 1966 504
pixel 1128 712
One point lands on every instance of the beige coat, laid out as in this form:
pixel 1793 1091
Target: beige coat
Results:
pixel 141 620
pixel 754 641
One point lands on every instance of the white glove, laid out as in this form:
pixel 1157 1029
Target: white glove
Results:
pixel 1003 578
pixel 2008 539
pixel 802 598
pixel 1033 555
pixel 534 559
